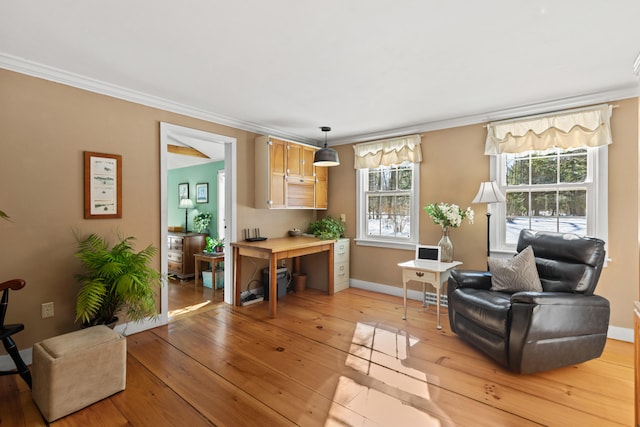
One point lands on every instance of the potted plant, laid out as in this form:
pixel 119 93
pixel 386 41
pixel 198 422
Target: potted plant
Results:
pixel 327 228
pixel 201 221
pixel 116 278
pixel 208 247
pixel 218 244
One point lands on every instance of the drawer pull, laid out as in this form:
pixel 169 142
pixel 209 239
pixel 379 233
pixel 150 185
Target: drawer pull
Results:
pixel 419 273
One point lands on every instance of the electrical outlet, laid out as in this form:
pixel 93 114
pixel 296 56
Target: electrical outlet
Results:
pixel 47 310
pixel 343 218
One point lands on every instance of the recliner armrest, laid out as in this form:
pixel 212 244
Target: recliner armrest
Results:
pixel 559 298
pixel 470 279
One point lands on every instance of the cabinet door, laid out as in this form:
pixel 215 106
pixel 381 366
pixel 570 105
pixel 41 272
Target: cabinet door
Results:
pixel 294 160
pixel 308 170
pixel 322 187
pixel 300 193
pixel 278 172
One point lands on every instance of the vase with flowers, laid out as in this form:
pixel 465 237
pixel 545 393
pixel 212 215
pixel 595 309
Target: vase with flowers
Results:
pixel 448 216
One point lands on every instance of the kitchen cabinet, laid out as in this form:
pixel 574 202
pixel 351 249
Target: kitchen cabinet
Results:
pixel 181 249
pixel 285 177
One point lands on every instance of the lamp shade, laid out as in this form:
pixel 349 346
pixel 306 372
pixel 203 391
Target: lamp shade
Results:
pixel 186 204
pixel 489 193
pixel 326 157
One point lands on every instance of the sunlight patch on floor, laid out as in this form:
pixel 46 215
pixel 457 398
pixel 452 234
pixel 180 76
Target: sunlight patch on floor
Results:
pixel 365 406
pixel 379 396
pixel 188 309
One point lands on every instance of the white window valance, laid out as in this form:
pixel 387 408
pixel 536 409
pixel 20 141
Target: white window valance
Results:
pixel 387 152
pixel 579 128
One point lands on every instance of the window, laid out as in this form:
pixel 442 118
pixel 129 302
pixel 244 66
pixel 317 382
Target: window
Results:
pixel 557 190
pixel 388 205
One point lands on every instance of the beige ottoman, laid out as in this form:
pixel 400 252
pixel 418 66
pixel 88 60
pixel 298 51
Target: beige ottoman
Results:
pixel 74 370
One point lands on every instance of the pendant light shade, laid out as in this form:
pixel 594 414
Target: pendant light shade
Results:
pixel 326 156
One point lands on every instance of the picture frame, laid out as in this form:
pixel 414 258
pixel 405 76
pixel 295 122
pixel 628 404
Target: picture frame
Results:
pixel 183 191
pixel 202 193
pixel 428 253
pixel 102 185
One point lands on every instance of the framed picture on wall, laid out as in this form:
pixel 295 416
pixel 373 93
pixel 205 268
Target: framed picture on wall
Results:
pixel 183 191
pixel 202 193
pixel 102 185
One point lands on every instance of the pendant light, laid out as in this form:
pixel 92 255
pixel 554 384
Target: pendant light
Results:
pixel 326 156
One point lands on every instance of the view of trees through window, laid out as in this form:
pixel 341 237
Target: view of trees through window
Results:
pixel 388 196
pixel 546 192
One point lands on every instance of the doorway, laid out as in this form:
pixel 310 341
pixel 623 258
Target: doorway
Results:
pixel 203 142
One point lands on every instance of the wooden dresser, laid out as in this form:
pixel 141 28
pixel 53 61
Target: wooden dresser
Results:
pixel 182 247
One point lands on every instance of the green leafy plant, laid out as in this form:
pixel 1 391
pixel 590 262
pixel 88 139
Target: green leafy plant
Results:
pixel 208 247
pixel 114 279
pixel 201 221
pixel 327 228
pixel 5 216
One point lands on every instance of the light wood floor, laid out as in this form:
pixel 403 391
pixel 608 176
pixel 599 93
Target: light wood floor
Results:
pixel 344 360
pixel 185 298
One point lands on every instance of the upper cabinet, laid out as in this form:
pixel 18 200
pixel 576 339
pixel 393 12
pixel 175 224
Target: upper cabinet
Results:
pixel 286 177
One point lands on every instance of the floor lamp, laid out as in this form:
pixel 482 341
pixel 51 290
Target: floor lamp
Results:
pixel 489 193
pixel 186 204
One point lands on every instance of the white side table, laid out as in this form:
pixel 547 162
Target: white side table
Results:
pixel 424 271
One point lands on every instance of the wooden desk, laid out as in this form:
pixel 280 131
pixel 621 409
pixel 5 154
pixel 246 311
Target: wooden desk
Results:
pixel 213 259
pixel 433 272
pixel 275 250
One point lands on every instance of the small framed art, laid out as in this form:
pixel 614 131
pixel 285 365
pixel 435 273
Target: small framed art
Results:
pixel 102 185
pixel 183 191
pixel 202 193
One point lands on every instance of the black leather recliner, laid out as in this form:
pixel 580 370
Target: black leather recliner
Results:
pixel 536 331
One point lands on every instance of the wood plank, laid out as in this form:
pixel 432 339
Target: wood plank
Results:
pixel 185 151
pixel 218 400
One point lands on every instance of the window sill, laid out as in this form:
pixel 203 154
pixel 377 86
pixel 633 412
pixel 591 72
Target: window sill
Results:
pixel 386 244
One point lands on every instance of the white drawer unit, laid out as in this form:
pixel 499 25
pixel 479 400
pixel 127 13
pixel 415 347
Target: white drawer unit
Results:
pixel 341 265
pixel 315 267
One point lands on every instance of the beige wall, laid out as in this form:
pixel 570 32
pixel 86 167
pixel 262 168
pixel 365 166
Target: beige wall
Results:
pixel 45 127
pixel 453 167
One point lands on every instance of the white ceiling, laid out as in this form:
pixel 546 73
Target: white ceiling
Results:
pixel 368 68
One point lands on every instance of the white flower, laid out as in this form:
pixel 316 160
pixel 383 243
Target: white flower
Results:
pixel 449 215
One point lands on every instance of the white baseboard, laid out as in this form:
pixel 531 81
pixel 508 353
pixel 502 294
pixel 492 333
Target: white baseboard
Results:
pixel 620 334
pixel 614 332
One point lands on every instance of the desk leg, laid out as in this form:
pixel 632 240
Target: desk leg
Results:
pixel 237 269
pixel 197 280
pixel 273 286
pixel 404 293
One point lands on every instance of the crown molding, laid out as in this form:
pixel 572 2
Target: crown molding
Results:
pixel 34 69
pixel 623 92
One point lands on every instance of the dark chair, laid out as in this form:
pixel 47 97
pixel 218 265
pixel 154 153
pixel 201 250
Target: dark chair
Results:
pixel 6 331
pixel 530 331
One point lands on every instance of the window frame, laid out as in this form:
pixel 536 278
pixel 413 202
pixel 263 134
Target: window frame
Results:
pixel 361 211
pixel 596 183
